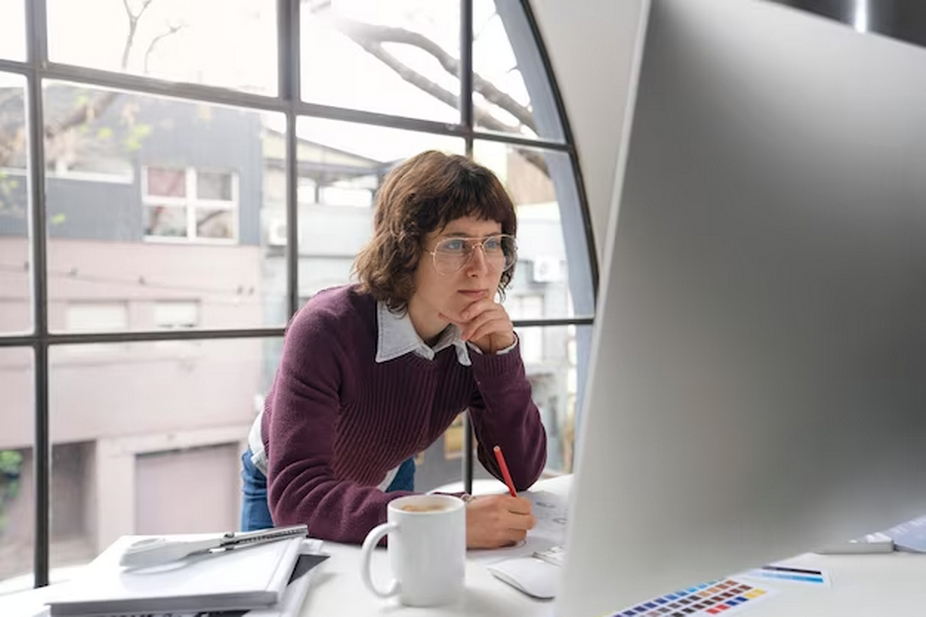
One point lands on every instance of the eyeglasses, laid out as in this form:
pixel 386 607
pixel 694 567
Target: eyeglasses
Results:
pixel 452 254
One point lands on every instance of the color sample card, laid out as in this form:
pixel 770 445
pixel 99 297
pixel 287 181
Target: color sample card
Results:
pixel 787 574
pixel 723 597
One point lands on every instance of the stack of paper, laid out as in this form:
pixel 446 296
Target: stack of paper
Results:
pixel 252 578
pixel 533 566
pixel 294 596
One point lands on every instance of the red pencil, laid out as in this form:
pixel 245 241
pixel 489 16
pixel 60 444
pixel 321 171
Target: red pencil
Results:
pixel 505 473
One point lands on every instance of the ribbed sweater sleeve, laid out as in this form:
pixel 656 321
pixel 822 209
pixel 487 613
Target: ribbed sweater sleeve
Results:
pixel 303 487
pixel 504 414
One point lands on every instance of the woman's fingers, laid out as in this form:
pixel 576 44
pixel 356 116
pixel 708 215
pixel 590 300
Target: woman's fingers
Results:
pixel 498 520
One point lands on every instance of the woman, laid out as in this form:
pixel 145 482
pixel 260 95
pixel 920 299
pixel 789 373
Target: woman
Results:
pixel 373 373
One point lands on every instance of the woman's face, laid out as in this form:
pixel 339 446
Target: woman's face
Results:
pixel 449 292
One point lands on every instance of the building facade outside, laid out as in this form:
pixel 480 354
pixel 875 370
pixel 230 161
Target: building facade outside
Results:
pixel 180 223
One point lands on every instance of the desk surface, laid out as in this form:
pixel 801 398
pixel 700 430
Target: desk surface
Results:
pixel 862 586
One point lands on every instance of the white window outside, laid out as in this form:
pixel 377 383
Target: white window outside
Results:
pixel 306 191
pixel 96 317
pixel 187 204
pixel 528 306
pixel 176 314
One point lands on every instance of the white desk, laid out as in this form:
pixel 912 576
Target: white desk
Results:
pixel 338 591
pixel 862 586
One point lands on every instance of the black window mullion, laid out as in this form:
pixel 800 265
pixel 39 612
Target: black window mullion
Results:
pixel 466 119
pixel 288 40
pixel 37 50
pixel 466 65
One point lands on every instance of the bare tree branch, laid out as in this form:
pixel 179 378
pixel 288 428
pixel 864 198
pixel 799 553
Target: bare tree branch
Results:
pixel 481 117
pixel 10 143
pixel 415 78
pixel 81 115
pixel 363 34
pixel 95 107
pixel 130 38
pixel 171 30
pixel 10 95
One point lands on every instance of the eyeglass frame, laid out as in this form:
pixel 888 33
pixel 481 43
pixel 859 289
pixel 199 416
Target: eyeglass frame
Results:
pixel 475 245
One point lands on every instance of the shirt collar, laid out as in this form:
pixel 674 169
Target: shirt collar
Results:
pixel 397 337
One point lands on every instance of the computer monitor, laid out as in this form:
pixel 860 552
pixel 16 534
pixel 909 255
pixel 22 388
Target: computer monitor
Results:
pixel 757 384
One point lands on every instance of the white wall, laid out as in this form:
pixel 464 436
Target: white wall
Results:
pixel 590 44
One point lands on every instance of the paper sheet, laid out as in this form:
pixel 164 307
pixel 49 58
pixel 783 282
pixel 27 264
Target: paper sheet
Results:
pixel 550 511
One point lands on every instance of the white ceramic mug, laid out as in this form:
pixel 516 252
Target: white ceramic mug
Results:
pixel 427 550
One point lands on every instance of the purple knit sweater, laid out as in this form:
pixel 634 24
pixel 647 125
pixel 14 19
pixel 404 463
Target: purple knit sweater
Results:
pixel 335 421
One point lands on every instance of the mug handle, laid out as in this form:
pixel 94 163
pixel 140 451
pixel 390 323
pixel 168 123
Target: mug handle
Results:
pixel 369 544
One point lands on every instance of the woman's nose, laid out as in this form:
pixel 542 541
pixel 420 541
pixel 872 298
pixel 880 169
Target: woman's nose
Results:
pixel 477 261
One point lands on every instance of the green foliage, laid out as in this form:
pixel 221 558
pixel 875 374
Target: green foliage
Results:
pixel 8 205
pixel 136 134
pixel 11 465
pixel 11 462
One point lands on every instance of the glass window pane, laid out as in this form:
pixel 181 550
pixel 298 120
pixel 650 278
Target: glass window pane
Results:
pixel 214 185
pixel 165 222
pixel 212 223
pixel 341 165
pixel 229 43
pixel 17 498
pixel 399 57
pixel 165 182
pixel 170 437
pixel 553 257
pixel 15 287
pixel 179 216
pixel 511 88
pixel 13 29
pixel 553 366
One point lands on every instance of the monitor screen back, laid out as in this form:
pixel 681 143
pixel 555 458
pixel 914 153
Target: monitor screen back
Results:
pixel 758 374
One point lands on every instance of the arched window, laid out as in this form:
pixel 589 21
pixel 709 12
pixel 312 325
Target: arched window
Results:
pixel 196 171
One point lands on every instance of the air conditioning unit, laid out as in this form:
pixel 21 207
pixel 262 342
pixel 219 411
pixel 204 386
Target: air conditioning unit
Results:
pixel 276 231
pixel 547 270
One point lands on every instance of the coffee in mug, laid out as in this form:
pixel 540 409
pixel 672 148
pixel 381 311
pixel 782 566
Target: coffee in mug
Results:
pixel 427 550
pixel 423 508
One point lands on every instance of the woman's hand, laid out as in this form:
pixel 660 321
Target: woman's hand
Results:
pixel 493 521
pixel 485 324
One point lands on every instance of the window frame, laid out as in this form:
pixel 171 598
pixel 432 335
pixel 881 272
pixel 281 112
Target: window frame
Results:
pixel 191 203
pixel 37 69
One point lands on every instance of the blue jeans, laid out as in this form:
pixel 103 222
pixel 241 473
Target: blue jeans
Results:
pixel 255 512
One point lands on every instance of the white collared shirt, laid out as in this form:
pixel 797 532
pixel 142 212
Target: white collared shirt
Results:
pixel 397 337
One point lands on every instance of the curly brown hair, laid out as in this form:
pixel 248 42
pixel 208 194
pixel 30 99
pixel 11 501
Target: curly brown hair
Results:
pixel 424 194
